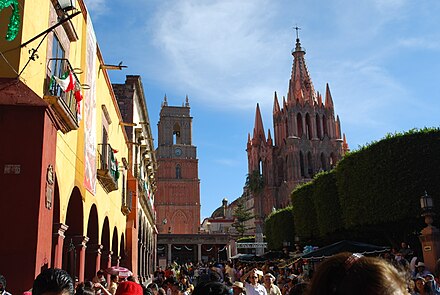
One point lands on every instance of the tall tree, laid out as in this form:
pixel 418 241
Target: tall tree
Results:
pixel 241 215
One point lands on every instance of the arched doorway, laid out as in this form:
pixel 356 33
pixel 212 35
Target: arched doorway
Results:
pixel 93 251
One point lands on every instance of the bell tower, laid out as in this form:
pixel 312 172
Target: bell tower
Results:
pixel 178 185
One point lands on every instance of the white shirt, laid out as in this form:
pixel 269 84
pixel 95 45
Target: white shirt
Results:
pixel 255 290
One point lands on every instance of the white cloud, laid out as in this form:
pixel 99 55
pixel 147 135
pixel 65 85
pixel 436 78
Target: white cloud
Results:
pixel 212 47
pixel 97 7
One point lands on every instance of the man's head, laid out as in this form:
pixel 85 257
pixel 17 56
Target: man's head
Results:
pixel 269 278
pixel 53 281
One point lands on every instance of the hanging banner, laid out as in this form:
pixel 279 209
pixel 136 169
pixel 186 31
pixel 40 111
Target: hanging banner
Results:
pixel 90 112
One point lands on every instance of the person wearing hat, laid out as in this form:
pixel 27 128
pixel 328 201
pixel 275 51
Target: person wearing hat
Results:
pixel 420 270
pixel 237 288
pixel 129 288
pixel 253 287
pixel 271 288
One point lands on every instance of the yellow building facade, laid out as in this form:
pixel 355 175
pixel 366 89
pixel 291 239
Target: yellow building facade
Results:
pixel 66 159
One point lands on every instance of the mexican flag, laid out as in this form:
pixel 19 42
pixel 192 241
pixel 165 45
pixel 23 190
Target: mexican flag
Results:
pixel 66 81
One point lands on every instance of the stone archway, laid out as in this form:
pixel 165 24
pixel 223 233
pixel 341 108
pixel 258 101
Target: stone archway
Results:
pixel 93 251
pixel 74 246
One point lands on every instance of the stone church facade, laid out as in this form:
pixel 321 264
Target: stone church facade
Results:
pixel 307 139
pixel 178 185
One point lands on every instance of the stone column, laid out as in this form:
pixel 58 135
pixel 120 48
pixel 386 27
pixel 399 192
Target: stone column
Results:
pixel 199 252
pixel 170 257
pixel 59 230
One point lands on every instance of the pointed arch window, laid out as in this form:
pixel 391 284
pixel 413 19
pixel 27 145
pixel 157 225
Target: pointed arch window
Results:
pixel 299 124
pixel 308 127
pixel 318 127
pixel 324 125
pixel 178 172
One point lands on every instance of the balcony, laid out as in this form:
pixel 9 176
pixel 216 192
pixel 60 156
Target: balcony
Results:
pixel 63 104
pixel 108 173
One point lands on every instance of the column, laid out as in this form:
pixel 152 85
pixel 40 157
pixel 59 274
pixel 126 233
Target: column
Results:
pixel 98 257
pixel 80 245
pixel 58 235
pixel 107 262
pixel 170 257
pixel 199 252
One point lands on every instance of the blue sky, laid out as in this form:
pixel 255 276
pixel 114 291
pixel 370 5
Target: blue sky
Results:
pixel 381 59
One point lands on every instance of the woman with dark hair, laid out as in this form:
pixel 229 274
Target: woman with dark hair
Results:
pixel 348 273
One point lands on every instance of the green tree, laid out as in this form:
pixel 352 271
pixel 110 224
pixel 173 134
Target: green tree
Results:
pixel 241 215
pixel 254 182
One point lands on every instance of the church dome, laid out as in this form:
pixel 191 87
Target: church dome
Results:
pixel 218 213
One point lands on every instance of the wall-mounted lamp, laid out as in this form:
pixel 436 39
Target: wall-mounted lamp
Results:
pixel 66 5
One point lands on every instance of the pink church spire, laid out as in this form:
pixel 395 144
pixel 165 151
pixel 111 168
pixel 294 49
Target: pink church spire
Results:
pixel 258 126
pixel 276 105
pixel 328 97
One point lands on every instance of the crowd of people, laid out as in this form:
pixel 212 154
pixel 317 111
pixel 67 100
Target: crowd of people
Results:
pixel 395 273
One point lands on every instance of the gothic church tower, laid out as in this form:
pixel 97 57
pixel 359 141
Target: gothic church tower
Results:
pixel 307 140
pixel 178 185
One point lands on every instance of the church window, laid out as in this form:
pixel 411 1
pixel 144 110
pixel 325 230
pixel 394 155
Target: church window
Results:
pixel 299 123
pixel 287 129
pixel 318 126
pixel 301 164
pixel 308 127
pixel 324 124
pixel 178 172
pixel 176 134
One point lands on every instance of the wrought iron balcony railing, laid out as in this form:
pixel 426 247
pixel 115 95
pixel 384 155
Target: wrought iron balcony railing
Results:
pixel 108 171
pixel 62 103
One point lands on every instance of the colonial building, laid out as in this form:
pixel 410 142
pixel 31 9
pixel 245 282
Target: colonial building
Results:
pixel 307 139
pixel 141 187
pixel 65 160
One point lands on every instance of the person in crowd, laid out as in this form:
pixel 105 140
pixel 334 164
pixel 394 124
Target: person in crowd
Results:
pixel 85 288
pixel 129 288
pixel 152 289
pixel 271 288
pixel 53 281
pixel 238 288
pixel 420 270
pixel 421 287
pixel 230 271
pixel 352 273
pixel 114 280
pixel 3 286
pixel 291 280
pixel 405 251
pixel 211 288
pixel 253 287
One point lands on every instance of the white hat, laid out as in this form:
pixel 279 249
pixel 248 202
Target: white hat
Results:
pixel 420 264
pixel 238 284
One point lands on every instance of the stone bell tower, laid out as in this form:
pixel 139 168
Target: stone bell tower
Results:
pixel 178 184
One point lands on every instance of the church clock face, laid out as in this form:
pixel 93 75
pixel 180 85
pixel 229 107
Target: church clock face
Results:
pixel 178 152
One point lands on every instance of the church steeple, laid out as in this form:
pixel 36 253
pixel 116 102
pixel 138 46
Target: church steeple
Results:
pixel 276 105
pixel 258 127
pixel 300 85
pixel 328 97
